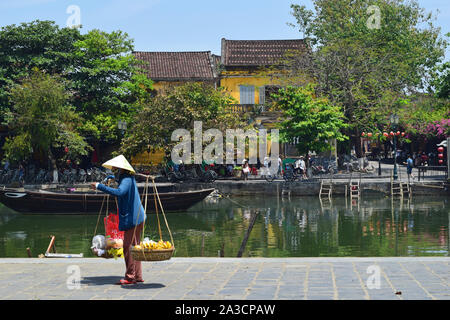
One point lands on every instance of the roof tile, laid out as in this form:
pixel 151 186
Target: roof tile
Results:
pixel 257 52
pixel 195 65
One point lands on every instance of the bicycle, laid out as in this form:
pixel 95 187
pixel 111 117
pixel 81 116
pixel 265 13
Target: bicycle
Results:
pixel 172 175
pixel 188 174
pixel 207 175
pixel 267 174
pixel 289 175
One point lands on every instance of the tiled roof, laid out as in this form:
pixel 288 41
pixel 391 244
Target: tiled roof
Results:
pixel 216 60
pixel 177 65
pixel 257 52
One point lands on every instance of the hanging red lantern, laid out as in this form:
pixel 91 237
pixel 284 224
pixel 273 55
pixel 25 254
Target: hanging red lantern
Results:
pixel 391 133
pixel 369 134
pixel 385 134
pixel 403 134
pixel 441 149
pixel 363 134
pixel 441 161
pixel 441 156
pixel 66 149
pixel 398 133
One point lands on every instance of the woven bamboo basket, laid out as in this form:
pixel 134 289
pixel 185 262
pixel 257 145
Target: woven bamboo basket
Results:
pixel 144 254
pixel 152 254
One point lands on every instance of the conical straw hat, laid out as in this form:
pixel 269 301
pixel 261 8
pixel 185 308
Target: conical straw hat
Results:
pixel 119 162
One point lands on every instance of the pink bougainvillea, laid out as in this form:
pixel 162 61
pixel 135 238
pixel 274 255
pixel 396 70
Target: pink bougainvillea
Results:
pixel 438 129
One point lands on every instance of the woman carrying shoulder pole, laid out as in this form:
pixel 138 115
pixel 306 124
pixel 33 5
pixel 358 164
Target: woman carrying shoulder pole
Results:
pixel 131 213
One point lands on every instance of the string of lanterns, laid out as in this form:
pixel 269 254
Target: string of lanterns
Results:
pixel 390 134
pixel 441 155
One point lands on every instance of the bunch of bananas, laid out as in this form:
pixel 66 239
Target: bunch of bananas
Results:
pixel 116 252
pixel 152 245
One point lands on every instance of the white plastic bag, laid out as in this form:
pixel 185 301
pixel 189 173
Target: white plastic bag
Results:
pixel 98 242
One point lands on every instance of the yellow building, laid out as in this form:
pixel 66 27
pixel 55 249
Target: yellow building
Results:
pixel 241 70
pixel 170 69
pixel 250 71
pixel 244 66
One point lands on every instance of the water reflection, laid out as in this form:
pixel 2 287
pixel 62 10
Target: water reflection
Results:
pixel 263 227
pixel 367 227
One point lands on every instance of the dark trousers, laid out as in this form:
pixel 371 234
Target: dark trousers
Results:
pixel 133 268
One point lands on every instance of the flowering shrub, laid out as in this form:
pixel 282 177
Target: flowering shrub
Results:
pixel 439 129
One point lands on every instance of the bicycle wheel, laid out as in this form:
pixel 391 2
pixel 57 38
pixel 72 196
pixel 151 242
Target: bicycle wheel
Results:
pixel 171 177
pixel 210 176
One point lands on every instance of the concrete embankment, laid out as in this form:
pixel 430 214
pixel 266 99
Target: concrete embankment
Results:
pixel 311 187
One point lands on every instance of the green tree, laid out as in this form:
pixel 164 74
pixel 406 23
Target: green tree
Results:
pixel 315 122
pixel 178 108
pixel 441 81
pixel 38 44
pixel 108 83
pixel 104 76
pixel 364 66
pixel 41 119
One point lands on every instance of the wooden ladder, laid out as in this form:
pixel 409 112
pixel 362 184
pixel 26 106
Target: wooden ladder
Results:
pixel 355 190
pixel 326 189
pixel 396 188
pixel 406 189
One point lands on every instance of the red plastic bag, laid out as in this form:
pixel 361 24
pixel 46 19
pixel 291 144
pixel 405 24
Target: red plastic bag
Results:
pixel 112 226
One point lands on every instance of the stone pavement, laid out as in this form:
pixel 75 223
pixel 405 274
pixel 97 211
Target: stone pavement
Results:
pixel 397 278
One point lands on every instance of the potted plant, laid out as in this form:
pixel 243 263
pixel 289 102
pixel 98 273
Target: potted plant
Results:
pixel 237 172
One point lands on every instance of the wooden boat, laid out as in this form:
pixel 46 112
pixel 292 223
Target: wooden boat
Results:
pixel 90 202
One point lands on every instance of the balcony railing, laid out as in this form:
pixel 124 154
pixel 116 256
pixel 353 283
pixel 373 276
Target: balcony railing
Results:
pixel 247 108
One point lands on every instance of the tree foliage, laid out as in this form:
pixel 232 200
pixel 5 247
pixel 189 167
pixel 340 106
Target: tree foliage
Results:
pixel 366 69
pixel 315 122
pixel 108 84
pixel 38 44
pixel 41 119
pixel 177 108
pixel 441 81
pixel 104 76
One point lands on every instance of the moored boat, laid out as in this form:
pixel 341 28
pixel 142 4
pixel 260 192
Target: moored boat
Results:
pixel 90 202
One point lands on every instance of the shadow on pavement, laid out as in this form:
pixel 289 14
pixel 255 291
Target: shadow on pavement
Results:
pixel 112 280
pixel 144 286
pixel 99 281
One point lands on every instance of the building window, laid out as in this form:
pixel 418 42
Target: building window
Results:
pixel 246 94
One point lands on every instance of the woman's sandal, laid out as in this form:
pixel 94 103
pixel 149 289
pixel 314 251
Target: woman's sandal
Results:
pixel 125 281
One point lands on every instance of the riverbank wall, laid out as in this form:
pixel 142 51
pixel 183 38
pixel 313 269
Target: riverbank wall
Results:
pixel 310 187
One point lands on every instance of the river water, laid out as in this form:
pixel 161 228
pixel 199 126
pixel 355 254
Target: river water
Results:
pixel 283 227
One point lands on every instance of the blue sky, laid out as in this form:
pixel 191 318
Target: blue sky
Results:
pixel 180 25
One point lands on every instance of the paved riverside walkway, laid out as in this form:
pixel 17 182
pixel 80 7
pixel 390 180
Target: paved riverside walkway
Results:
pixel 397 278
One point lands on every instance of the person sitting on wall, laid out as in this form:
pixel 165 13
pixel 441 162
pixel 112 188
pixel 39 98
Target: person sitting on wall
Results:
pixel 245 170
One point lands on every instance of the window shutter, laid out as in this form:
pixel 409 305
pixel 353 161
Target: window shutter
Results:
pixel 262 95
pixel 247 94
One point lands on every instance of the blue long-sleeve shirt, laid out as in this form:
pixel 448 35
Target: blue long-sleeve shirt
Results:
pixel 131 211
